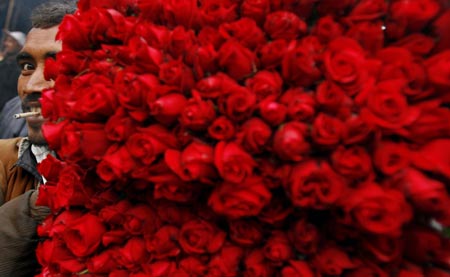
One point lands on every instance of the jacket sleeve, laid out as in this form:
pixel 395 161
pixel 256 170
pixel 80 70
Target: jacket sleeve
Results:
pixel 18 237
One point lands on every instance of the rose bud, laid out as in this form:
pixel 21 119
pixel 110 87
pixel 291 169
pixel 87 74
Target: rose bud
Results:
pixel 214 86
pixel 221 129
pixel 353 162
pixel 255 9
pixel 289 141
pixel 167 108
pixel 132 254
pixel 265 83
pixel 194 163
pixel 83 235
pixel 257 265
pixel 278 249
pixel 271 111
pixel 327 131
pixel 254 135
pixel 301 106
pixel 245 31
pixel 225 262
pixel 201 237
pixel 239 104
pixel 245 232
pixel 297 268
pixel 197 114
pixel 240 200
pixel 391 158
pixel 272 53
pixel 332 261
pixel 237 60
pixel 284 25
pixel 233 163
pixel 175 73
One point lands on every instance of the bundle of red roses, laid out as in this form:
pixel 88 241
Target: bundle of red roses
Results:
pixel 249 138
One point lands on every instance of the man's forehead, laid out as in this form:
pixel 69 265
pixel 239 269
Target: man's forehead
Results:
pixel 39 41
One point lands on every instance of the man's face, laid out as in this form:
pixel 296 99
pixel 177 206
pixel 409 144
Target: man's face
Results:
pixel 39 46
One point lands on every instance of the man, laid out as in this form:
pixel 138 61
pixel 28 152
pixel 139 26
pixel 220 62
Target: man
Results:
pixel 9 71
pixel 19 179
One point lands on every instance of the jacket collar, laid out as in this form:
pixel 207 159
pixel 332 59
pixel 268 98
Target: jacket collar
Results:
pixel 26 159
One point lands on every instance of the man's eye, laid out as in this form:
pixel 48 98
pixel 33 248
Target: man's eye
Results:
pixel 27 66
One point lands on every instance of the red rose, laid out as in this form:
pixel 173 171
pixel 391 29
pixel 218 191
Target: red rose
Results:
pixel 439 27
pixel 240 200
pixel 162 244
pixel 238 104
pixel 176 190
pixel 95 99
pixel 256 265
pixel 120 126
pixel 314 184
pixel 271 54
pixel 193 266
pixel 182 40
pixel 398 63
pixel 388 108
pixel 254 135
pixel 173 213
pixel 221 128
pixel 255 9
pixel 305 237
pixel 377 210
pixel 297 268
pixel 204 59
pixel 116 164
pixel 332 99
pixel 345 64
pixel 245 31
pixel 290 143
pixel 57 259
pixel 418 44
pixel 431 124
pixel 301 106
pixel 183 13
pixel 103 262
pixel 74 34
pixel 265 83
pixel 385 249
pixel 194 163
pixel 236 60
pixel 197 113
pixel 369 34
pixel 156 35
pixel 201 237
pixel 115 213
pixel 332 261
pixel 83 141
pixel 327 29
pixel 300 62
pixel 215 86
pixel 167 108
pixel 70 190
pixel 271 111
pixel 327 131
pixel 278 249
pixel 367 10
pixel 356 130
pixel 276 211
pixel 148 144
pixel 233 163
pixel 390 157
pixel 141 219
pixel 49 169
pixel 133 254
pixel 133 92
pixel 433 157
pixel 353 162
pixel 177 74
pixel 413 15
pixel 83 235
pixel 438 71
pixel 225 262
pixel 246 232
pixel 284 25
pixel 144 58
pixel 216 12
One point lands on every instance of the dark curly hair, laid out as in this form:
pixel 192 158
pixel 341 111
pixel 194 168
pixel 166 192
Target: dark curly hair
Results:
pixel 51 13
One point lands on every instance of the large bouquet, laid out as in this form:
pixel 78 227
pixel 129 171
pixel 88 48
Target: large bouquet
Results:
pixel 249 138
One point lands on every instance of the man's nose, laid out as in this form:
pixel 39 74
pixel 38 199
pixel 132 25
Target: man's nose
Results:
pixel 37 82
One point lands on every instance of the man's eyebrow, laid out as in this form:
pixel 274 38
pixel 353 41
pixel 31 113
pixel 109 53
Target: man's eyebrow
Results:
pixel 51 54
pixel 23 56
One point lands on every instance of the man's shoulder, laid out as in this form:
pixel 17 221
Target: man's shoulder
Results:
pixel 9 148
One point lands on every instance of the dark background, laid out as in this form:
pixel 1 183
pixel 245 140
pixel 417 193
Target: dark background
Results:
pixel 20 17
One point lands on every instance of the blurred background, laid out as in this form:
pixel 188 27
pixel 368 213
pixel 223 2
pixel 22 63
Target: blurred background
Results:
pixel 15 15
